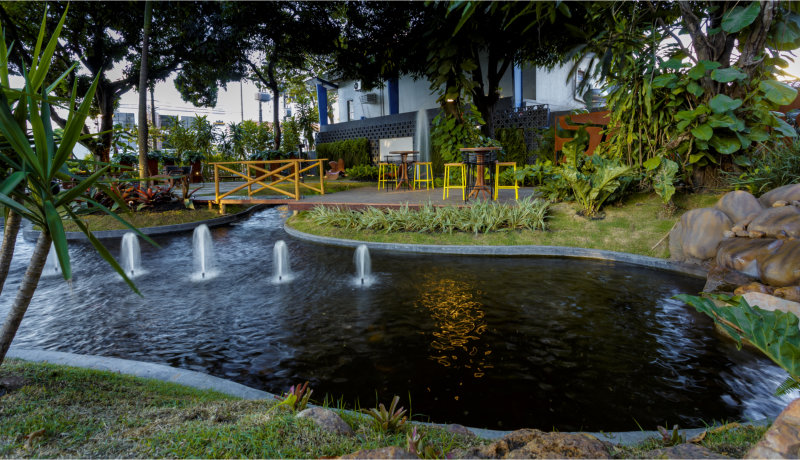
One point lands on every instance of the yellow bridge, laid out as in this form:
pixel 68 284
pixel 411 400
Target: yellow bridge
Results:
pixel 263 175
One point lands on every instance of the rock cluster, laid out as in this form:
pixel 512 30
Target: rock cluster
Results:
pixel 750 244
pixel 539 444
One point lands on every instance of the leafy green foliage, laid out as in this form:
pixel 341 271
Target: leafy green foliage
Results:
pixel 245 138
pixel 483 217
pixel 769 168
pixel 267 155
pixel 39 164
pixel 387 420
pixel 774 333
pixel 291 135
pixel 419 446
pixel 593 179
pixel 362 173
pixel 354 152
pixel 296 399
pixel 453 131
pixel 671 438
pixel 513 142
pixel 664 173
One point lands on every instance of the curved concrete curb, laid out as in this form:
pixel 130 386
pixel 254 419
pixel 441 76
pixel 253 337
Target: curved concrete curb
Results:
pixel 208 382
pixel 29 234
pixel 141 369
pixel 509 251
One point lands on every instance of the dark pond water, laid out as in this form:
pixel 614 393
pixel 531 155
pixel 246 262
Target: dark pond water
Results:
pixel 490 342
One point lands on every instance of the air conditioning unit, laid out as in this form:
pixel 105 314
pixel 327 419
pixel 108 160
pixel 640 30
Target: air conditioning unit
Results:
pixel 357 86
pixel 369 98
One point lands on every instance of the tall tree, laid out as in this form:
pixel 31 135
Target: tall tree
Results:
pixel 102 35
pixel 265 42
pixel 148 13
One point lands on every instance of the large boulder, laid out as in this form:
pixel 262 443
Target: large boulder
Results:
pixel 529 443
pixel 327 420
pixel 781 222
pixel 746 255
pixel 787 193
pixel 738 205
pixel 783 267
pixel 697 235
pixel 782 440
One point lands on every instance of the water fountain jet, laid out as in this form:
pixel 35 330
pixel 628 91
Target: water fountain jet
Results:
pixel 363 265
pixel 203 247
pixel 131 255
pixel 280 262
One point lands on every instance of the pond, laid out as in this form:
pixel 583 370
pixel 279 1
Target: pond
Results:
pixel 489 342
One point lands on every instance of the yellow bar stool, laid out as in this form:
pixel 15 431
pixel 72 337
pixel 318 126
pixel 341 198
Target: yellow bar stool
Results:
pixel 463 172
pixel 387 172
pixel 497 186
pixel 427 168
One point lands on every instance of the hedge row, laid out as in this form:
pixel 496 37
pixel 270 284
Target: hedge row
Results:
pixel 355 152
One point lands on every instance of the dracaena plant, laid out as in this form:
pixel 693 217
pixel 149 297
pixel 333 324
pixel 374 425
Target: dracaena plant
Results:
pixel 36 163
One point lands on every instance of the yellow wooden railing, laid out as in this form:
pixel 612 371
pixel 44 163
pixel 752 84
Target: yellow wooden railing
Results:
pixel 257 178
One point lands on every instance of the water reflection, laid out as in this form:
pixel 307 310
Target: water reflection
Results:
pixel 459 321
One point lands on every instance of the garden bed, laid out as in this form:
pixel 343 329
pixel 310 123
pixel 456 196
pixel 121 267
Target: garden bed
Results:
pixel 636 226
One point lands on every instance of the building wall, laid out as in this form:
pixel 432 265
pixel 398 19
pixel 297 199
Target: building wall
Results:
pixel 539 86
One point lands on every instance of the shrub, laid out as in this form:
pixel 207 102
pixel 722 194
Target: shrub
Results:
pixel 513 142
pixel 770 168
pixel 354 152
pixel 362 173
pixel 483 217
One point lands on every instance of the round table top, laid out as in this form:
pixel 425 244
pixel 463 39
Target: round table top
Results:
pixel 479 149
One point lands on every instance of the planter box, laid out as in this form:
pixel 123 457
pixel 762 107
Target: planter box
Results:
pixel 152 167
pixel 196 172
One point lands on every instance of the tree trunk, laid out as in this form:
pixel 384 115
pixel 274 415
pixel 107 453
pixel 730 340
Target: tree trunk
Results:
pixel 10 233
pixel 25 293
pixel 276 122
pixel 143 131
pixel 105 96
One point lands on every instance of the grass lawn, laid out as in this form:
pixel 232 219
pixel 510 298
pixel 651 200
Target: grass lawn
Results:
pixel 59 411
pixel 635 226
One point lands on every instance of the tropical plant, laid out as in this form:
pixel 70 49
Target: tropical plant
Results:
pixel 126 158
pixel 291 135
pixel 418 445
pixel 595 181
pixel 482 217
pixel 354 152
pixel 774 333
pixel 40 164
pixel 671 438
pixel 513 142
pixel 191 156
pixel 663 176
pixel 266 155
pixel 155 155
pixel 770 167
pixel 362 173
pixel 296 399
pixel 387 420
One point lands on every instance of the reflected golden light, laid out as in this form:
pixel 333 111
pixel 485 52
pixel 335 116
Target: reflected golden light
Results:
pixel 460 323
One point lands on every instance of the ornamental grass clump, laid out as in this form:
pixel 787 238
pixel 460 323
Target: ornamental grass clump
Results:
pixel 482 217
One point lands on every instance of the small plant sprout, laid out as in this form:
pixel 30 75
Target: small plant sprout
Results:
pixel 296 399
pixel 418 446
pixel 390 420
pixel 671 438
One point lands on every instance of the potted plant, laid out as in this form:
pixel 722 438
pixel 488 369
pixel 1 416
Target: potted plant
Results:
pixel 126 159
pixel 195 158
pixel 265 155
pixel 168 158
pixel 153 158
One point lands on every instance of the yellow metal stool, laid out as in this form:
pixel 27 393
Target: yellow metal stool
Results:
pixel 387 172
pixel 497 185
pixel 427 167
pixel 447 168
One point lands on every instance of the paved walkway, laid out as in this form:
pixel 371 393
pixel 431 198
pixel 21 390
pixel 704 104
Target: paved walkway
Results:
pixel 366 196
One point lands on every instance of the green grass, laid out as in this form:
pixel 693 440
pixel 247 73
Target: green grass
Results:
pixel 71 412
pixel 87 413
pixel 634 226
pixel 142 219
pixel 733 441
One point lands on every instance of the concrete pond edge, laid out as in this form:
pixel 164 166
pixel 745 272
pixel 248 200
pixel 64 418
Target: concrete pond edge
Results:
pixel 29 234
pixel 508 251
pixel 204 381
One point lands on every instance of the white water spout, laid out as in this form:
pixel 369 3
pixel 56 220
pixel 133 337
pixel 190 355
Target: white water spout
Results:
pixel 51 265
pixel 422 137
pixel 363 266
pixel 204 263
pixel 130 255
pixel 282 272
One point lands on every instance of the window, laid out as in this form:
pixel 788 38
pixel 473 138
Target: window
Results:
pixel 351 111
